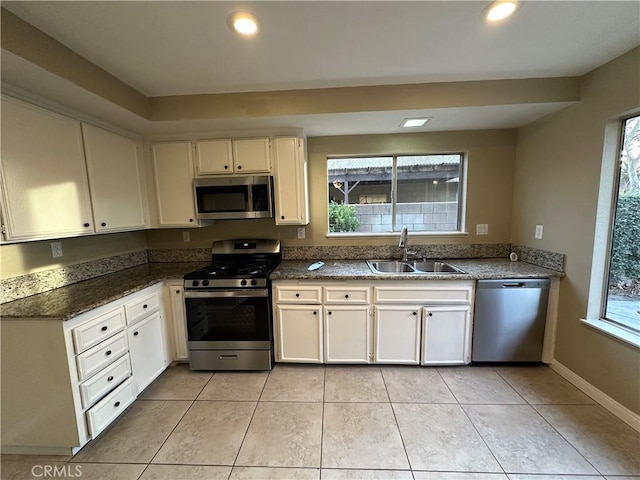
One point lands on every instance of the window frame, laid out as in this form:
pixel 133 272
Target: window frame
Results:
pixel 462 196
pixel 603 238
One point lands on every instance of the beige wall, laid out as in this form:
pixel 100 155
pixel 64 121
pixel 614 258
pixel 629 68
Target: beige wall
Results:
pixel 21 258
pixel 490 172
pixel 556 184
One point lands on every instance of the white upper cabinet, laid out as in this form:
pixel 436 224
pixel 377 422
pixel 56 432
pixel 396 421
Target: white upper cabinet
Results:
pixel 115 180
pixel 44 178
pixel 240 156
pixel 173 176
pixel 291 187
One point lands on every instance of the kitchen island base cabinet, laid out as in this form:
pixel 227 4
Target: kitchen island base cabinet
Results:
pixel 446 334
pixel 298 334
pixel 347 334
pixel 397 334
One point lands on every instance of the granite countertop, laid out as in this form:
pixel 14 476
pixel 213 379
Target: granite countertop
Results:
pixel 476 269
pixel 67 302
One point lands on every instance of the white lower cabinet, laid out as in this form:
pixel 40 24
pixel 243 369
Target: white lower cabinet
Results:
pixel 397 334
pixel 146 347
pixel 347 334
pixel 298 333
pixel 447 335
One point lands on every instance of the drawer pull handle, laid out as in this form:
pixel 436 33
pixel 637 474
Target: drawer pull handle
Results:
pixel 228 357
pixel 135 334
pixel 104 329
pixel 87 225
pixel 110 378
pixel 144 306
pixel 239 167
pixel 297 295
pixel 117 404
pixel 346 295
pixel 108 352
pixel 103 224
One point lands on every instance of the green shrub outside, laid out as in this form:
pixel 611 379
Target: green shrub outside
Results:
pixel 342 218
pixel 625 260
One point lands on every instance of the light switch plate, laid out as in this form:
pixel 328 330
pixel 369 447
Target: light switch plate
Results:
pixel 482 229
pixel 538 233
pixel 56 249
pixel 186 237
pixel 302 233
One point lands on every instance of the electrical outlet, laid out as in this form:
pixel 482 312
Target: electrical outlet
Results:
pixel 56 249
pixel 302 233
pixel 482 229
pixel 186 237
pixel 538 233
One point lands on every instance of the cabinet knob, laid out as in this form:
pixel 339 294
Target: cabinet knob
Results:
pixel 415 313
pixel 282 217
pixel 87 225
pixel 108 352
pixel 239 167
pixel 315 313
pixel 346 295
pixel 135 334
pixel 110 378
pixel 329 313
pixel 145 305
pixel 104 329
pixel 103 224
pixel 297 295
pixel 117 404
pixel 178 292
pixel 191 219
pixel 430 314
pixel 226 166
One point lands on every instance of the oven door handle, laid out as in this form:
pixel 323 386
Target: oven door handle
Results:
pixel 261 292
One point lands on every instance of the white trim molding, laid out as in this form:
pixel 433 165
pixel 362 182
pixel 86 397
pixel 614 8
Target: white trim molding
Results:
pixel 623 413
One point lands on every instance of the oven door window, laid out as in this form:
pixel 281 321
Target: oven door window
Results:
pixel 228 319
pixel 234 198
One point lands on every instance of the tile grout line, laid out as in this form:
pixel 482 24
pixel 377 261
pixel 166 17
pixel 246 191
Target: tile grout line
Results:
pixel 466 414
pixel 404 447
pixel 324 390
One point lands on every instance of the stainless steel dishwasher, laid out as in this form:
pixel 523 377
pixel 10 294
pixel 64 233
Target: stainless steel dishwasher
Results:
pixel 509 320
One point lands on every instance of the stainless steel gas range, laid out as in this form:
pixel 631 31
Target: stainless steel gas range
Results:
pixel 228 307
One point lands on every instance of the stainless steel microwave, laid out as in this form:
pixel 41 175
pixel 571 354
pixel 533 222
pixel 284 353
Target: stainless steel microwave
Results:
pixel 233 197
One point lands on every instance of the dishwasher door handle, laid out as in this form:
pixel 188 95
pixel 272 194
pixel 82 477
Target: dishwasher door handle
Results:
pixel 513 285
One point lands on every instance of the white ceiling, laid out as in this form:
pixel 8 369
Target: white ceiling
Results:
pixel 180 48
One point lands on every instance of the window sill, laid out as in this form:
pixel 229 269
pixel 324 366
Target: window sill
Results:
pixel 621 333
pixel 396 234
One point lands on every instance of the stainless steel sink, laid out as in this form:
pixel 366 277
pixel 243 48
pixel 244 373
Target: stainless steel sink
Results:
pixel 409 267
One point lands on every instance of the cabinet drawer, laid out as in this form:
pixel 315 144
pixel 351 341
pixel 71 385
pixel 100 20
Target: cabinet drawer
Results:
pixel 100 356
pixel 95 331
pixel 105 411
pixel 346 294
pixel 423 296
pixel 138 309
pixel 296 294
pixel 93 389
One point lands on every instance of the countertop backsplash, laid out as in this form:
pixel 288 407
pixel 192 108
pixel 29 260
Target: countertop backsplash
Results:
pixel 34 283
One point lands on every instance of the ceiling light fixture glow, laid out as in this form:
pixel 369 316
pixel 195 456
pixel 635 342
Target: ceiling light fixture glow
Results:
pixel 243 23
pixel 500 9
pixel 414 122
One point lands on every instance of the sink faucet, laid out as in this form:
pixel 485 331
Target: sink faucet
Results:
pixel 403 243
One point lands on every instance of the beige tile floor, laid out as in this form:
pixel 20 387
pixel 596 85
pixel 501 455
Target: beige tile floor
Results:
pixel 364 422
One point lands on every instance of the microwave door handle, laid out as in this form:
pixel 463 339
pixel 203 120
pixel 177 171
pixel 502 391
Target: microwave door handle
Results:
pixel 250 198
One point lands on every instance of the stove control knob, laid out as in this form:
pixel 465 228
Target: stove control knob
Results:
pixel 195 283
pixel 254 282
pixel 205 283
pixel 243 282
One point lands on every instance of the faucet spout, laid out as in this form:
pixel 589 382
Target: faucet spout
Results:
pixel 403 243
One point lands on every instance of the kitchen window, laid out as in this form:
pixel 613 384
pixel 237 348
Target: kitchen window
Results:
pixel 378 195
pixel 614 300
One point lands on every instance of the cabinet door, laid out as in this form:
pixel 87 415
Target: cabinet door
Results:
pixel 179 323
pixel 214 157
pixel 173 171
pixel 446 334
pixel 44 177
pixel 115 180
pixel 252 155
pixel 397 334
pixel 146 348
pixel 298 333
pixel 347 334
pixel 291 187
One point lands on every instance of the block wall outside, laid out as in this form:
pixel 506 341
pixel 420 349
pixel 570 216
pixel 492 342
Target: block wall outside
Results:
pixel 428 216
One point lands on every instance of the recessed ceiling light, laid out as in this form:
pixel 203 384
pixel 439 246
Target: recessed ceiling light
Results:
pixel 414 122
pixel 243 23
pixel 499 10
